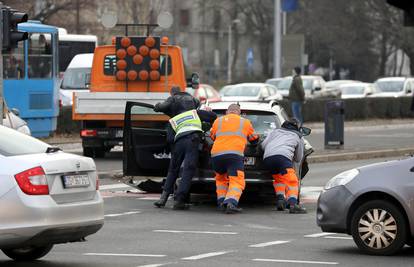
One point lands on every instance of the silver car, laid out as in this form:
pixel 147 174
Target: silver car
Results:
pixel 374 204
pixel 47 196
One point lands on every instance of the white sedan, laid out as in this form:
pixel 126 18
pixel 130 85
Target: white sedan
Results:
pixel 250 92
pixel 47 196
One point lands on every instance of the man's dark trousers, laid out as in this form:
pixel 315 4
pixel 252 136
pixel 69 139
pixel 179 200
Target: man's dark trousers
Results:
pixel 185 150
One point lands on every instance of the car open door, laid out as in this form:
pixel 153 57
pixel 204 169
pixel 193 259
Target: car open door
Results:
pixel 145 149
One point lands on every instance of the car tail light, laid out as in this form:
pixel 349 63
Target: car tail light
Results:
pixel 33 181
pixel 88 133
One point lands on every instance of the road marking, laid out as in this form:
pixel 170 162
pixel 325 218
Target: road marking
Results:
pixel 114 186
pixel 271 243
pixel 319 234
pixel 339 237
pixel 125 255
pixel 195 232
pixel 207 255
pixel 296 261
pixel 156 264
pixel 122 214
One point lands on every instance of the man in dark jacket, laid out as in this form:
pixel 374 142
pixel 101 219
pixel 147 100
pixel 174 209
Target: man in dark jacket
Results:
pixel 186 126
pixel 297 95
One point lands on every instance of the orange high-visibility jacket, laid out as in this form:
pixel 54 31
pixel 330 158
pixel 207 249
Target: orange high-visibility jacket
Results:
pixel 230 134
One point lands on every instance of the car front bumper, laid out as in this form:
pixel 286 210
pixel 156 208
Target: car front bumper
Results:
pixel 332 209
pixel 33 219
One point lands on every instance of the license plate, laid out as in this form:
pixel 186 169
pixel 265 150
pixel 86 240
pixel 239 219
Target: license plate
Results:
pixel 249 161
pixel 78 180
pixel 119 133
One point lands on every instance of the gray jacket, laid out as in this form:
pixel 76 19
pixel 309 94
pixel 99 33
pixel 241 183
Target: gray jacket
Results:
pixel 284 142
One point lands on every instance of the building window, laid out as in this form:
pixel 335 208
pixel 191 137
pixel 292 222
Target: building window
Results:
pixel 184 17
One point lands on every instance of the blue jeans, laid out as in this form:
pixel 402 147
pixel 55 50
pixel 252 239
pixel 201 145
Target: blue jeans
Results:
pixel 297 111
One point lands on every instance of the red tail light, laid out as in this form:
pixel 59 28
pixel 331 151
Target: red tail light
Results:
pixel 88 133
pixel 33 181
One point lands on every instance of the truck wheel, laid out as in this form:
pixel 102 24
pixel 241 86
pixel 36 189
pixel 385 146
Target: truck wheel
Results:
pixel 27 253
pixel 378 227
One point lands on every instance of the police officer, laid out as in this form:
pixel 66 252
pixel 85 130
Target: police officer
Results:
pixel 186 125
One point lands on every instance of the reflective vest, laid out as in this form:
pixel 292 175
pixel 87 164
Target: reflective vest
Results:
pixel 230 134
pixel 185 122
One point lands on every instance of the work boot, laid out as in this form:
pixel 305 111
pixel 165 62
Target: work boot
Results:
pixel 180 205
pixel 281 205
pixel 163 200
pixel 297 209
pixel 231 208
pixel 221 207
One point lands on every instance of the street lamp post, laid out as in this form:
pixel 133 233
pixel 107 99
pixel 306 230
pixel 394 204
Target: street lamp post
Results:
pixel 230 56
pixel 277 41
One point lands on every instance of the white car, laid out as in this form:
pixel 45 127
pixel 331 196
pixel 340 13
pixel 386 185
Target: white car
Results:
pixel 250 92
pixel 12 120
pixel 47 196
pixel 76 78
pixel 394 87
pixel 356 90
pixel 314 87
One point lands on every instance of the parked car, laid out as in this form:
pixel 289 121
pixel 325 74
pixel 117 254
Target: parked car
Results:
pixel 394 87
pixel 372 203
pixel 76 78
pixel 336 83
pixel 142 147
pixel 47 196
pixel 314 87
pixel 274 81
pixel 250 92
pixel 205 92
pixel 12 120
pixel 356 90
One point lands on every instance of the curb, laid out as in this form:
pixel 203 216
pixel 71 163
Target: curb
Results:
pixel 361 155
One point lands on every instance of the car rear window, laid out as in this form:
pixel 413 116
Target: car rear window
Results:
pixel 14 143
pixel 263 122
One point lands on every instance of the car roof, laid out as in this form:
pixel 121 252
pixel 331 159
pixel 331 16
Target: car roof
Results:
pixel 250 84
pixel 391 79
pixel 254 106
pixel 81 61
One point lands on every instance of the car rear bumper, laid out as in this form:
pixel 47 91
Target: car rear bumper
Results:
pixel 38 218
pixel 332 209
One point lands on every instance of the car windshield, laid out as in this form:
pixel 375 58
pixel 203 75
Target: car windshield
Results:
pixel 14 143
pixel 240 90
pixel 352 90
pixel 389 86
pixel 76 78
pixel 274 83
pixel 286 82
pixel 263 122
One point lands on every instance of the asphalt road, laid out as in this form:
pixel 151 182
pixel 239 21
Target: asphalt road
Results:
pixel 136 234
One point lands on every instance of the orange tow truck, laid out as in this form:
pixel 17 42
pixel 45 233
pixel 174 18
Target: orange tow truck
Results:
pixel 133 68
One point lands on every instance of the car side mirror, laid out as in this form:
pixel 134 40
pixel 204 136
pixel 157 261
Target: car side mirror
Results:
pixel 15 111
pixel 318 88
pixel 305 131
pixel 409 91
pixel 194 81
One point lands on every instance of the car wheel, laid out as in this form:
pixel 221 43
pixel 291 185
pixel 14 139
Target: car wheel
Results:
pixel 379 228
pixel 27 253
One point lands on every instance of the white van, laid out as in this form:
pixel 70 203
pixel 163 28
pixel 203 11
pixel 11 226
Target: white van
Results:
pixel 76 78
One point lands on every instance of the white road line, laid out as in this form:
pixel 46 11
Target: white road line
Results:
pixel 122 214
pixel 114 186
pixel 155 265
pixel 319 234
pixel 124 255
pixel 297 261
pixel 207 255
pixel 271 243
pixel 195 232
pixel 339 237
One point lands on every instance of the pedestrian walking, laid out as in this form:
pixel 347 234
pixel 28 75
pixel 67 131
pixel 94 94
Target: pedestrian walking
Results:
pixel 230 134
pixel 297 95
pixel 187 129
pixel 282 147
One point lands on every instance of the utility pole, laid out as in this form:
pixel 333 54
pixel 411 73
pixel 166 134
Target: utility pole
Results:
pixel 229 56
pixel 277 41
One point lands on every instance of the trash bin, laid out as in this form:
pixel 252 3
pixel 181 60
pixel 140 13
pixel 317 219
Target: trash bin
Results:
pixel 334 124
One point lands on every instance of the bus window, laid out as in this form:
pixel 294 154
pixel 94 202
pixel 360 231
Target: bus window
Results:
pixel 13 63
pixel 40 55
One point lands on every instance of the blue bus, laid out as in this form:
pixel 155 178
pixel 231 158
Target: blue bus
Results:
pixel 31 78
